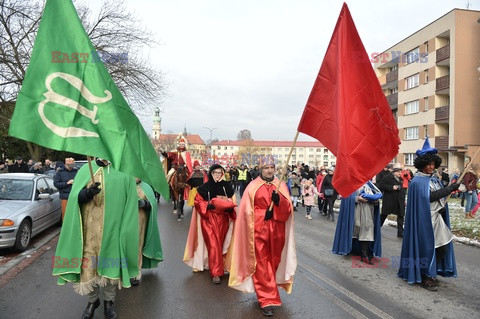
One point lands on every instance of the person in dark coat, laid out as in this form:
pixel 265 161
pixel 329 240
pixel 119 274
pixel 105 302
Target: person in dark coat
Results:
pixel 328 192
pixel 379 177
pixel 19 166
pixel 63 180
pixel 393 201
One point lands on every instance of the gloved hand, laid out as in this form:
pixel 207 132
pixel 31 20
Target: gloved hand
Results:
pixel 145 204
pixel 268 214
pixel 453 187
pixel 210 207
pixel 93 190
pixel 275 198
pixel 306 194
pixel 228 210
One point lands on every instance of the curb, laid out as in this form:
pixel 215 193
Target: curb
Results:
pixel 462 240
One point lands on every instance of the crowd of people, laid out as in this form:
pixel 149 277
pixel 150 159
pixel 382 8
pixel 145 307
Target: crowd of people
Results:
pixel 242 223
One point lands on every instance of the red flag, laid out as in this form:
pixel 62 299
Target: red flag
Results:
pixel 348 112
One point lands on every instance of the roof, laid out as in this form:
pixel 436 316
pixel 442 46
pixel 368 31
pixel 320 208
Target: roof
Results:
pixel 28 176
pixel 267 143
pixel 191 138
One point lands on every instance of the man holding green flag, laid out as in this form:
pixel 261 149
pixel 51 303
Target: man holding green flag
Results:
pixel 68 101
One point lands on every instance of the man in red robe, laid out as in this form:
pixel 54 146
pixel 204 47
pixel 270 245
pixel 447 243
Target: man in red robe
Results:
pixel 262 252
pixel 178 157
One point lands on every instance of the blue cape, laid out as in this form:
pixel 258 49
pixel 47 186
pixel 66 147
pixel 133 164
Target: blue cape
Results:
pixel 418 246
pixel 343 243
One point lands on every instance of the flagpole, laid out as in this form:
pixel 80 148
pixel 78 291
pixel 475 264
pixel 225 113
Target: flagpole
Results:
pixel 285 167
pixel 288 160
pixel 89 159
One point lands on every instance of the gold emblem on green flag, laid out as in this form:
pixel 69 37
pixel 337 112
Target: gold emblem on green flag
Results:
pixel 77 107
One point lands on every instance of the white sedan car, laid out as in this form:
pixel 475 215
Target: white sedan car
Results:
pixel 29 204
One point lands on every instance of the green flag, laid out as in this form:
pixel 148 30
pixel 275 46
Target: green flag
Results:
pixel 68 101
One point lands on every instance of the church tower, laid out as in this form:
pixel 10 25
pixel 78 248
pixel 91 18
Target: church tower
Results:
pixel 157 124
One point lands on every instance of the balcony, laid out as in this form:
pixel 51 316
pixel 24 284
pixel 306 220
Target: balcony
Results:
pixel 441 143
pixel 442 114
pixel 392 100
pixel 392 76
pixel 443 85
pixel 443 55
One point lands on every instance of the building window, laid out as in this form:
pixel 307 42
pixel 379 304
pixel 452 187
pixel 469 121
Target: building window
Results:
pixel 411 133
pixel 413 55
pixel 426 47
pixel 286 149
pixel 393 68
pixel 412 81
pixel 300 149
pixel 325 163
pixel 409 158
pixel 301 155
pixel 325 150
pixel 311 150
pixel 426 76
pixel 393 91
pixel 411 107
pixel 426 103
pixel 325 157
pixel 310 156
pixel 319 150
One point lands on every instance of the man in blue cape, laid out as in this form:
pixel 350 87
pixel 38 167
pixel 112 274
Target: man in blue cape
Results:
pixel 427 248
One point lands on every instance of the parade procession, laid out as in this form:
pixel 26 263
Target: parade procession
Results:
pixel 350 190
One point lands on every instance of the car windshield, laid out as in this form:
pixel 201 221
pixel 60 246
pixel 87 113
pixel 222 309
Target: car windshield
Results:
pixel 15 189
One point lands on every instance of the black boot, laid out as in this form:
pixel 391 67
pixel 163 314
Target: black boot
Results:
pixel 365 256
pixel 400 226
pixel 109 311
pixel 90 310
pixel 267 311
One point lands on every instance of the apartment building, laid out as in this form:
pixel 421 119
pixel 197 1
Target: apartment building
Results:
pixel 250 152
pixel 431 81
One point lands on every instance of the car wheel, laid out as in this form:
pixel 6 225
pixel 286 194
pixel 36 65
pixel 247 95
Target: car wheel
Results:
pixel 24 235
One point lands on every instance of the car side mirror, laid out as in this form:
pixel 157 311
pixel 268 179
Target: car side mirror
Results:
pixel 44 197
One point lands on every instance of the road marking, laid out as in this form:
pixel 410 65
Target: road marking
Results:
pixel 347 293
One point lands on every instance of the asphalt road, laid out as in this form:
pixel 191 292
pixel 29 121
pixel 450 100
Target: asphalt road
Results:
pixel 326 285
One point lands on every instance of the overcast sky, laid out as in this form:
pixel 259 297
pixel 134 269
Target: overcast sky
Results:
pixel 251 64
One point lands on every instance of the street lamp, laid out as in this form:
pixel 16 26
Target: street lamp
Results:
pixel 211 131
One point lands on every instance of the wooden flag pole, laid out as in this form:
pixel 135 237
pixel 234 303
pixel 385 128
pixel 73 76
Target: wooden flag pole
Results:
pixel 284 172
pixel 470 162
pixel 89 159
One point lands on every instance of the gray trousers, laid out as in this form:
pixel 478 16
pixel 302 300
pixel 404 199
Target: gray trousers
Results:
pixel 109 292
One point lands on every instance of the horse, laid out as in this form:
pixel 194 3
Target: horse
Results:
pixel 178 183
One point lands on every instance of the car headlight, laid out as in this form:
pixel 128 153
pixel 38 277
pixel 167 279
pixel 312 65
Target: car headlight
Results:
pixel 6 222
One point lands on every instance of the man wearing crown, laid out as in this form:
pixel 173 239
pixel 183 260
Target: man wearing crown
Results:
pixel 427 248
pixel 262 253
pixel 177 157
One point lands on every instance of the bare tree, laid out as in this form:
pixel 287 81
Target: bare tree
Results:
pixel 113 31
pixel 244 135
